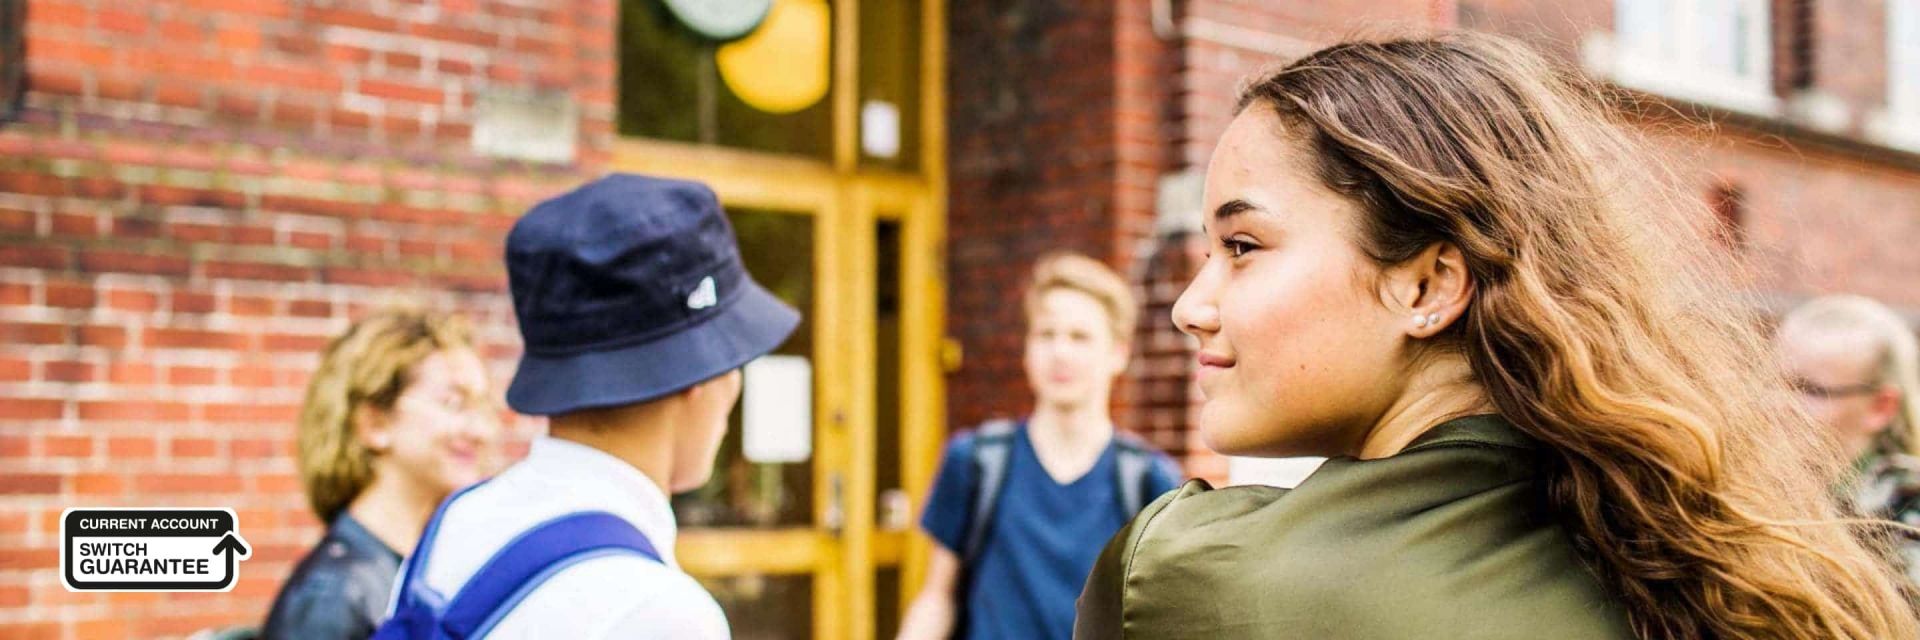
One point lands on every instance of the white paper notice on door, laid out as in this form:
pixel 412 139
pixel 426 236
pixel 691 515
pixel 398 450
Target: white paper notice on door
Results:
pixel 777 407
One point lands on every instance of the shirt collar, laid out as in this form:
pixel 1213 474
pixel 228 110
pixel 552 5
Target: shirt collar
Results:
pixel 612 484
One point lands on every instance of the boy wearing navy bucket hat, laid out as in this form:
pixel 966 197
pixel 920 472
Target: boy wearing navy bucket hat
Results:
pixel 637 317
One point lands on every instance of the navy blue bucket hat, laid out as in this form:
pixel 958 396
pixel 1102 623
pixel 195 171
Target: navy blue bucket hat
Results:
pixel 628 289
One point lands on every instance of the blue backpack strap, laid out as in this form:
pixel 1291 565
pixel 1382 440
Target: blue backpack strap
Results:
pixel 992 447
pixel 530 559
pixel 414 603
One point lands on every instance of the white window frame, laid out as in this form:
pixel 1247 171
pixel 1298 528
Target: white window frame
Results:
pixel 1686 49
pixel 1898 125
pixel 1903 58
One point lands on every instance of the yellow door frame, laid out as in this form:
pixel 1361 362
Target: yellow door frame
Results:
pixel 847 201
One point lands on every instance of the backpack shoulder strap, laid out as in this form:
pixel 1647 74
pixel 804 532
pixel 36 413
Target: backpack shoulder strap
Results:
pixel 1133 466
pixel 413 602
pixel 992 447
pixel 417 563
pixel 530 559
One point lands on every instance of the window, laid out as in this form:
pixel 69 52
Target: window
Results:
pixel 1898 123
pixel 1903 58
pixel 675 83
pixel 1715 52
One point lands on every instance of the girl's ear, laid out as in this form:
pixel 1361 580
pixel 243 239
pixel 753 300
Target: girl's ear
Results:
pixel 371 429
pixel 1432 289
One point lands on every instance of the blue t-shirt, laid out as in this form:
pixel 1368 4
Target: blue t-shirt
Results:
pixel 1044 539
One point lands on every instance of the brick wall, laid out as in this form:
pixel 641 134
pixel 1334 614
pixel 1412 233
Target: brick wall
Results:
pixel 1816 219
pixel 1849 51
pixel 199 193
pixel 1168 404
pixel 1033 163
pixel 1823 210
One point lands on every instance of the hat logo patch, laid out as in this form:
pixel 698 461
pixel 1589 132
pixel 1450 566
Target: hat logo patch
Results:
pixel 703 296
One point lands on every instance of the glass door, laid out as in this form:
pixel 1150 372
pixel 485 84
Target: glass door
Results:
pixel 830 160
pixel 908 399
pixel 749 534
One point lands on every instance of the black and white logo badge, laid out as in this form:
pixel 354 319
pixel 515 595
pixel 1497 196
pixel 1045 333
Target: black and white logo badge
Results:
pixel 150 549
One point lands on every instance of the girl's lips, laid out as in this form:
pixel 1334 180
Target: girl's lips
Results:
pixel 1206 359
pixel 1210 365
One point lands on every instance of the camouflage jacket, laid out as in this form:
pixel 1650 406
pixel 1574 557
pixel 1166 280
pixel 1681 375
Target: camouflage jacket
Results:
pixel 1889 488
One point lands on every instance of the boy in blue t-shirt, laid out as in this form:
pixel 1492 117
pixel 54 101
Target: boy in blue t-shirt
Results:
pixel 1020 511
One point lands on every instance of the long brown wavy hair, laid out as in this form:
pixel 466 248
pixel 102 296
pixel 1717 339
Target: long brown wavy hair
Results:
pixel 1605 324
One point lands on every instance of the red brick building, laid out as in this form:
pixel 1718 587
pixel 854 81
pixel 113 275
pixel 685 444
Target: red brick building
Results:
pixel 195 194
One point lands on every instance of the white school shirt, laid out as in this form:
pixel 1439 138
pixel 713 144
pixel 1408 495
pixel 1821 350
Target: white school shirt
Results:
pixel 610 596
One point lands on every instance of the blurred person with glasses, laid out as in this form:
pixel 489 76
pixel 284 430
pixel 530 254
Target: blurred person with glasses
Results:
pixel 1857 370
pixel 398 416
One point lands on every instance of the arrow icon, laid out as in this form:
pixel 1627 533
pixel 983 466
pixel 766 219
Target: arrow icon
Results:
pixel 232 543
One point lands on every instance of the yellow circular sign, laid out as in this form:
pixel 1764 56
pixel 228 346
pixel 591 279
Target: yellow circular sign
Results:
pixel 782 67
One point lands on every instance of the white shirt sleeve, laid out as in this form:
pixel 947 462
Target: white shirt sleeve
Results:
pixel 696 618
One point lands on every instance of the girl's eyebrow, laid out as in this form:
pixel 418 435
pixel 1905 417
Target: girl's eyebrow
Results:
pixel 1233 208
pixel 1228 210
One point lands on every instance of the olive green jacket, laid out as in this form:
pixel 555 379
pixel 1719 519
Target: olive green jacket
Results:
pixel 1444 540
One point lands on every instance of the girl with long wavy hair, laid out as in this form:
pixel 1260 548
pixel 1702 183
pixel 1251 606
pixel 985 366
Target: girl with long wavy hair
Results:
pixel 1442 262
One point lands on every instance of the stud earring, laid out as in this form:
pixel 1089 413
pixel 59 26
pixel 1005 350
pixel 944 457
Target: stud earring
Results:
pixel 1419 321
pixel 1433 320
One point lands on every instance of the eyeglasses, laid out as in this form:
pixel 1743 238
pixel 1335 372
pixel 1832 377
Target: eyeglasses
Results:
pixel 459 404
pixel 1815 390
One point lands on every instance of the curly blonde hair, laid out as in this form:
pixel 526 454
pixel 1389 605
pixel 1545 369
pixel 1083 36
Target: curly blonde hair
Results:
pixel 368 366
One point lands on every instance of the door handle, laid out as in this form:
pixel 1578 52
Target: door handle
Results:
pixel 835 517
